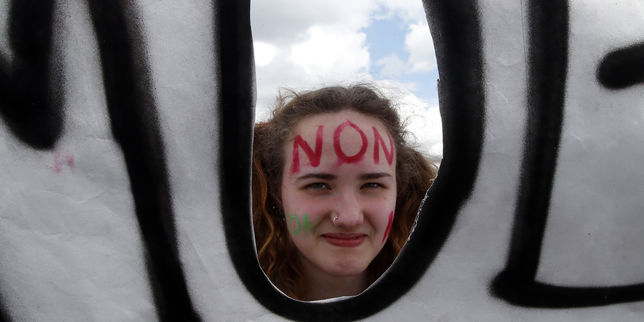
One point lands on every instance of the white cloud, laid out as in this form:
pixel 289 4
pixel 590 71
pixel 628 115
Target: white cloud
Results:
pixel 304 44
pixel 285 21
pixel 331 51
pixel 423 122
pixel 391 66
pixel 421 48
pixel 408 10
pixel 264 53
pixel 327 55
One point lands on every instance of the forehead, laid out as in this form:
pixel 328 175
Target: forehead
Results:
pixel 308 126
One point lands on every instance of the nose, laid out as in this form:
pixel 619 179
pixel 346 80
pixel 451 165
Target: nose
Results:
pixel 348 210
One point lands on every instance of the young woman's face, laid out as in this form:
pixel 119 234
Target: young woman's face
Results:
pixel 339 191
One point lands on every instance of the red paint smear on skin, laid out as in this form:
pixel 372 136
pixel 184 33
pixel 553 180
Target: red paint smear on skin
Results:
pixel 391 220
pixel 338 148
pixel 389 153
pixel 314 157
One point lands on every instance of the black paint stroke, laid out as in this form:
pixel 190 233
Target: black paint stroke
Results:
pixel 29 95
pixel 622 68
pixel 548 63
pixel 135 127
pixel 457 35
pixel 4 315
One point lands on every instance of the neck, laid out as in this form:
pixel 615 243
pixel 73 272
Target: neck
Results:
pixel 322 285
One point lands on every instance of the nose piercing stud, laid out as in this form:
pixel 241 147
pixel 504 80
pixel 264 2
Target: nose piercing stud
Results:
pixel 335 218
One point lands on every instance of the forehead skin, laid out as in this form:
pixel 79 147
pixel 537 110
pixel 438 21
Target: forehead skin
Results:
pixel 350 140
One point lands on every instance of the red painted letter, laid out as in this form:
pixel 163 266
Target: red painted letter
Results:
pixel 338 148
pixel 391 220
pixel 314 157
pixel 389 154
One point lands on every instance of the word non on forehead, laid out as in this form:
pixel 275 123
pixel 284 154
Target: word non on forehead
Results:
pixel 314 155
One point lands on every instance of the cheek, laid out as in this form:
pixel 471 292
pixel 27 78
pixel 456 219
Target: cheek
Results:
pixel 381 218
pixel 304 215
pixel 314 210
pixel 382 214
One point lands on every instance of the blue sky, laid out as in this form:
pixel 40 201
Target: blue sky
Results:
pixel 386 37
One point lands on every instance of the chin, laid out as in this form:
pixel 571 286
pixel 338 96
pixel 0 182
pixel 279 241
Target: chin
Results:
pixel 347 268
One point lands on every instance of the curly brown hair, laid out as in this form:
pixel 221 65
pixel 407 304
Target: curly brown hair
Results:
pixel 414 174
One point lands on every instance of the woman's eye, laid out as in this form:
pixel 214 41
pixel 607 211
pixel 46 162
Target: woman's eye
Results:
pixel 371 185
pixel 318 186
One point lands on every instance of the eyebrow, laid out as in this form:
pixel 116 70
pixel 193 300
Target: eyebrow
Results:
pixel 374 175
pixel 328 176
pixel 317 175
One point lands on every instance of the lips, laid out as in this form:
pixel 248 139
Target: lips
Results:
pixel 344 239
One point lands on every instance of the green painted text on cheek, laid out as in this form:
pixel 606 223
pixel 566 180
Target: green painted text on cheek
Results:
pixel 301 226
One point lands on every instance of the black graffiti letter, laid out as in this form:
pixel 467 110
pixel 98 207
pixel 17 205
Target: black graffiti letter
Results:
pixel 134 122
pixel 548 62
pixel 622 68
pixel 29 99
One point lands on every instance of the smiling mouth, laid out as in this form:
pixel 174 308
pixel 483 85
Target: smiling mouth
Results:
pixel 344 240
